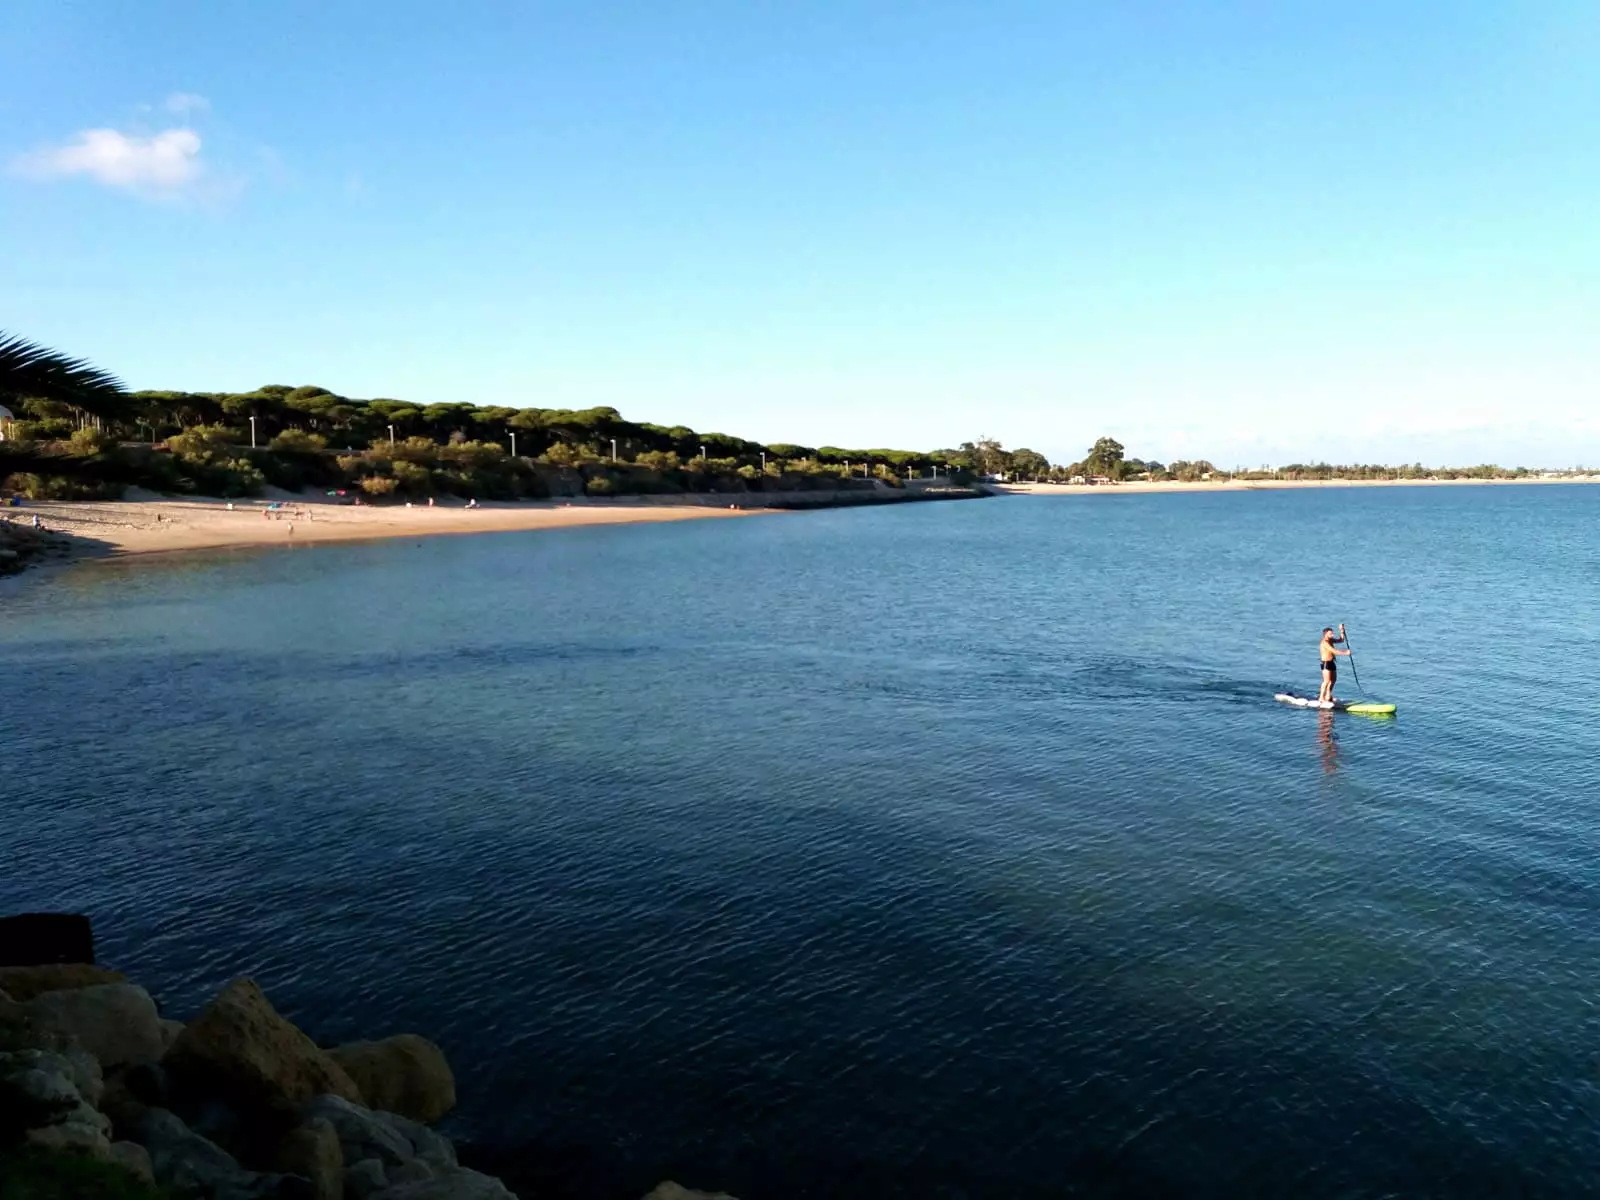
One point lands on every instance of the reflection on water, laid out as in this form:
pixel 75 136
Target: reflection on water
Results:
pixel 1328 741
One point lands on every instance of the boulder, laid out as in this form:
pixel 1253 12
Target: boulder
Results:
pixel 134 1158
pixel 24 983
pixel 457 1184
pixel 404 1074
pixel 31 938
pixel 676 1191
pixel 189 1165
pixel 115 1022
pixel 366 1178
pixel 391 1139
pixel 240 1049
pixel 312 1151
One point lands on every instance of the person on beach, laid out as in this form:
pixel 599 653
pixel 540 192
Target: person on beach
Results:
pixel 1330 664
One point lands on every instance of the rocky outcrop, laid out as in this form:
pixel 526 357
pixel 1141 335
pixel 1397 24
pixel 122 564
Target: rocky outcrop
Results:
pixel 24 983
pixel 241 1050
pixel 238 1104
pixel 405 1074
pixel 115 1022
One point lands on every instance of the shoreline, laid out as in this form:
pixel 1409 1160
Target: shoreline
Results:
pixel 149 525
pixel 1259 485
pixel 145 524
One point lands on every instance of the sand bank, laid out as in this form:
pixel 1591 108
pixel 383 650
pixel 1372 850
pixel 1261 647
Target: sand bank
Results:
pixel 153 524
pixel 1260 485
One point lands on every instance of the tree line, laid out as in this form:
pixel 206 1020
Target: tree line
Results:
pixel 1107 461
pixel 76 432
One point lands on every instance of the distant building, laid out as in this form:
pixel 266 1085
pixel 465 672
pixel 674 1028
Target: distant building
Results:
pixel 1078 479
pixel 1101 479
pixel 7 418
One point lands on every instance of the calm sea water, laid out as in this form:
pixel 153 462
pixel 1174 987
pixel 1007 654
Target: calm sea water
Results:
pixel 947 850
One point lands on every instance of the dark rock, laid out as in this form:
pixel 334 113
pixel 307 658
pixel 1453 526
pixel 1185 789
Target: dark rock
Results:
pixel 404 1074
pixel 392 1140
pixel 456 1184
pixel 24 983
pixel 115 1022
pixel 190 1165
pixel 312 1151
pixel 40 1103
pixel 365 1178
pixel 134 1158
pixel 240 1049
pixel 32 938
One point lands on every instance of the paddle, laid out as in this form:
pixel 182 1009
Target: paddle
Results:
pixel 1354 674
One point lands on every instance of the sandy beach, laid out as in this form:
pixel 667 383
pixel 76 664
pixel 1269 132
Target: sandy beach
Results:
pixel 149 524
pixel 1261 485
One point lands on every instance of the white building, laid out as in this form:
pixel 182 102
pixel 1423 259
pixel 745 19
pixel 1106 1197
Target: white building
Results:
pixel 6 417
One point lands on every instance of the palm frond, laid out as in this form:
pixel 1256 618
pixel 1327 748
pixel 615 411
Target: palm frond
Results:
pixel 30 371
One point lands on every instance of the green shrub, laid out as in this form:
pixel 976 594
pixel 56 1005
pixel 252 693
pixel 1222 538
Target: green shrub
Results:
pixel 600 485
pixel 379 485
pixel 297 441
pixel 89 441
pixel 412 478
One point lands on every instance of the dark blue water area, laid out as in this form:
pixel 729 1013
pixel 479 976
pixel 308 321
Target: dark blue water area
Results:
pixel 945 850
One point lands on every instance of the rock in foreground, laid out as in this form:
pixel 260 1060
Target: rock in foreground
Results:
pixel 242 1051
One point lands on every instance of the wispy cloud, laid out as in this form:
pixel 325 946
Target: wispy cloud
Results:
pixel 183 103
pixel 160 165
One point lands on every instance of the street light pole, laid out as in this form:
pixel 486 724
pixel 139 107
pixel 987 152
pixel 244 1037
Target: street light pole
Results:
pixel 252 433
pixel 513 434
pixel 702 454
pixel 391 435
pixel 763 462
pixel 613 449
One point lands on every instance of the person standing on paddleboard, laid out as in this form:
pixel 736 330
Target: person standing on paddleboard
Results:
pixel 1330 664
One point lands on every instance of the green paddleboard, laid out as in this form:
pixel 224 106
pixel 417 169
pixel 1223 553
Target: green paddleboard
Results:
pixel 1366 708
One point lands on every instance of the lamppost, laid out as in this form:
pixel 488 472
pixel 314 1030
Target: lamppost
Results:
pixel 513 434
pixel 702 454
pixel 613 449
pixel 391 435
pixel 252 433
pixel 763 462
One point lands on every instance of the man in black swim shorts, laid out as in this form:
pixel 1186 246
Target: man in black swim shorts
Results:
pixel 1330 664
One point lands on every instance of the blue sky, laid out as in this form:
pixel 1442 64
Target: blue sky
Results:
pixel 1254 232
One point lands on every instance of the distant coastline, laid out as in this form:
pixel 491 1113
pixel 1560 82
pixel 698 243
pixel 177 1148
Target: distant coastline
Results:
pixel 1261 485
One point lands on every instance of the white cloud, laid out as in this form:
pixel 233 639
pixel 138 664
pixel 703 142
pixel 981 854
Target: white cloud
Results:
pixel 184 103
pixel 162 164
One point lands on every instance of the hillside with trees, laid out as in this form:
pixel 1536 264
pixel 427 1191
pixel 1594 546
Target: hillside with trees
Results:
pixel 76 433
pixel 69 430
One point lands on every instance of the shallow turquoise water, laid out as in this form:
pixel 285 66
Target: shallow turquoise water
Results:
pixel 952 849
